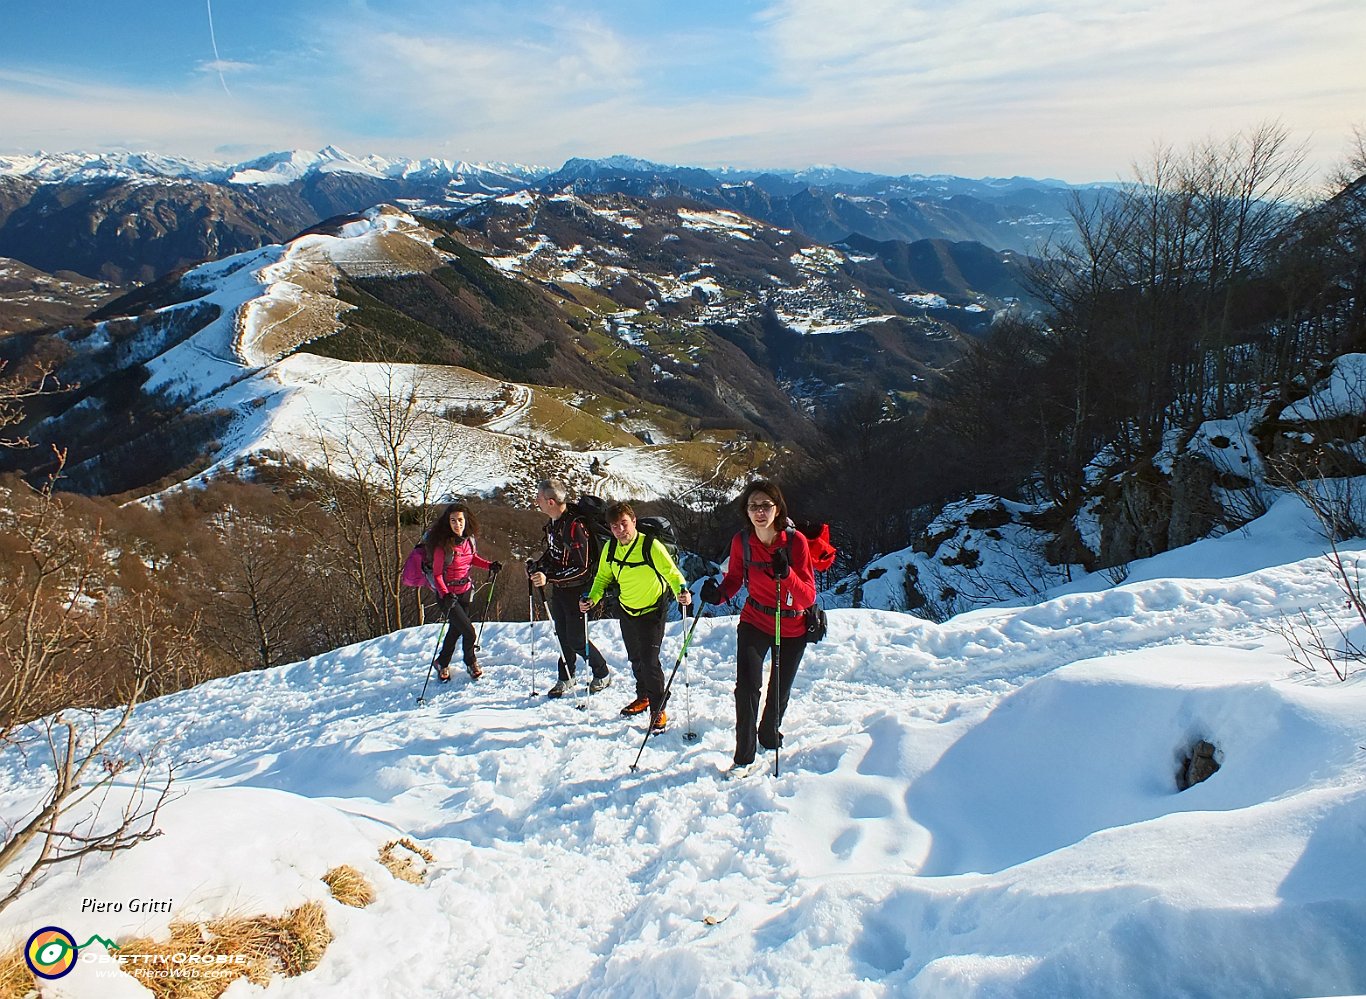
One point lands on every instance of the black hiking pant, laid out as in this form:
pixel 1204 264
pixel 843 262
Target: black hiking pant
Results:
pixel 458 625
pixel 643 635
pixel 572 633
pixel 753 651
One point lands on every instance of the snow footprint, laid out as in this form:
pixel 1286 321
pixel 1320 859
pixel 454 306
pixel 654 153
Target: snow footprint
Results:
pixel 853 819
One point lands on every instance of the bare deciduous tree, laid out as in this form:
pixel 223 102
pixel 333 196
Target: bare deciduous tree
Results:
pixel 388 461
pixel 54 618
pixel 1147 331
pixel 1315 469
pixel 269 587
pixel 14 389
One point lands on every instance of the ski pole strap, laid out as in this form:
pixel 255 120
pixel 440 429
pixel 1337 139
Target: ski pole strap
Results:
pixel 766 609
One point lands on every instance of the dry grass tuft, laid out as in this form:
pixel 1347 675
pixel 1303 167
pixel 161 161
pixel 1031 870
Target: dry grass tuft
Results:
pixel 16 981
pixel 301 938
pixel 402 865
pixel 349 886
pixel 287 945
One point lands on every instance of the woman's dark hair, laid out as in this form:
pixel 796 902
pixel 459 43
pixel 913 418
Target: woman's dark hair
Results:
pixel 440 532
pixel 770 489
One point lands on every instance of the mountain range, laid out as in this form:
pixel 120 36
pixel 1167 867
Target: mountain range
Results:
pixel 586 324
pixel 702 297
pixel 273 168
pixel 132 217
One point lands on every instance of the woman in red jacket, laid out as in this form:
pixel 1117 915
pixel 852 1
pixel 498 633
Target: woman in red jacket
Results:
pixel 772 561
pixel 451 551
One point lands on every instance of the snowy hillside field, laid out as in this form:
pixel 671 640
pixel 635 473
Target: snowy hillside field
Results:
pixel 986 807
pixel 250 363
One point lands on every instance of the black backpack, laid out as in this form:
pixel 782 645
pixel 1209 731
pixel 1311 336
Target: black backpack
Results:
pixel 592 510
pixel 816 624
pixel 656 529
pixel 822 554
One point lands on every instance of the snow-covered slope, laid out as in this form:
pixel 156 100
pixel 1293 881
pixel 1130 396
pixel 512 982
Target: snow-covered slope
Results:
pixel 987 550
pixel 981 808
pixel 273 301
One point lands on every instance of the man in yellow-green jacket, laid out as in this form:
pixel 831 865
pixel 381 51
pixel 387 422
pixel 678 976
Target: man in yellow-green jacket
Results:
pixel 646 575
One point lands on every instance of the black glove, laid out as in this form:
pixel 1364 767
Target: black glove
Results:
pixel 444 603
pixel 495 567
pixel 711 592
pixel 781 566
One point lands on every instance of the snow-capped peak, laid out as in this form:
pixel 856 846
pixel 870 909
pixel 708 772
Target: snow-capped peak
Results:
pixel 287 167
pixel 280 167
pixel 84 167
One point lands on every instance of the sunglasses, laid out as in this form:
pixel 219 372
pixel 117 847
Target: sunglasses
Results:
pixel 760 507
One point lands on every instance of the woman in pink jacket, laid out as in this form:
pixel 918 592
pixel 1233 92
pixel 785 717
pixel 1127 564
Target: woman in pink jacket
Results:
pixel 772 561
pixel 450 549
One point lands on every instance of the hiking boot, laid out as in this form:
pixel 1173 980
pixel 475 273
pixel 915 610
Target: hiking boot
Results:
pixel 636 706
pixel 474 669
pixel 600 683
pixel 659 721
pixel 443 673
pixel 561 688
pixel 736 771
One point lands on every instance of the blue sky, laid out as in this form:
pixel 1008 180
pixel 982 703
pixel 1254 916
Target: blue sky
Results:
pixel 1076 89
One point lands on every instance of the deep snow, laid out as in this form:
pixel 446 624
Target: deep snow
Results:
pixel 985 807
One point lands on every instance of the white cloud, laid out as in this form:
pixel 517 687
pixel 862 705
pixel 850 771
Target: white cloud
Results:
pixel 1068 82
pixel 467 82
pixel 225 66
pixel 1068 88
pixel 1064 89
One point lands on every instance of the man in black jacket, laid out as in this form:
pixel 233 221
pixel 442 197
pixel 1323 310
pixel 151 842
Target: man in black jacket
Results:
pixel 568 566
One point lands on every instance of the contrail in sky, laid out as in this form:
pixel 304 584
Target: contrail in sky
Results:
pixel 218 61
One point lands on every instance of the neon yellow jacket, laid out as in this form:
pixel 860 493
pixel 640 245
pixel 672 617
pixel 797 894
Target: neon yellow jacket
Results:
pixel 642 580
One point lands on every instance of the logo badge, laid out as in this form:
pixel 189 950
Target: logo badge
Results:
pixel 51 952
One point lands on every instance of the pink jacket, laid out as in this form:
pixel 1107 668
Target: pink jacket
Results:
pixel 452 571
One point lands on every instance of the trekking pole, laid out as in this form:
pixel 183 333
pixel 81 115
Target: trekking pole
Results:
pixel 483 618
pixel 573 671
pixel 691 734
pixel 436 653
pixel 545 608
pixel 668 687
pixel 531 624
pixel 773 674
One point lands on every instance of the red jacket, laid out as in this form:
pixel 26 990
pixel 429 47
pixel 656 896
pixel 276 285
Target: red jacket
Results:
pixel 798 589
pixel 451 572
